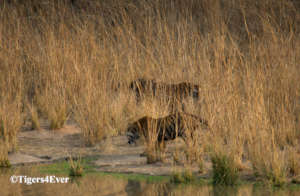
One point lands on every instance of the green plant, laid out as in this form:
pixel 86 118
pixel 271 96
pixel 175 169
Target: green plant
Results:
pixel 224 170
pixel 185 177
pixel 76 168
pixel 274 178
pixel 177 178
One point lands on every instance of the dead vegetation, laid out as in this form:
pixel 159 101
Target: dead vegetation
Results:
pixel 76 60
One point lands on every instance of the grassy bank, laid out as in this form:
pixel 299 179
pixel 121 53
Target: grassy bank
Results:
pixel 74 60
pixel 63 168
pixel 104 184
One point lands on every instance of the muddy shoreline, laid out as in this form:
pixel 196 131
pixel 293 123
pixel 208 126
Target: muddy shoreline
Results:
pixel 111 155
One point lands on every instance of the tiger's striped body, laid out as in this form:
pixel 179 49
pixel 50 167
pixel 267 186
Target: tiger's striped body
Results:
pixel 175 92
pixel 164 129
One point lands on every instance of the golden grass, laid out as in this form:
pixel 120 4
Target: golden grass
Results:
pixel 77 60
pixel 34 117
pixel 4 162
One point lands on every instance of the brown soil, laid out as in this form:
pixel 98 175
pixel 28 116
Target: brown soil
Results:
pixel 113 154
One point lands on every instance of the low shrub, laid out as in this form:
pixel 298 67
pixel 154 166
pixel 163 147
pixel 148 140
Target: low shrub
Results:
pixel 76 168
pixel 224 170
pixel 183 177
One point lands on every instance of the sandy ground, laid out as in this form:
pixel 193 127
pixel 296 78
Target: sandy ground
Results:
pixel 113 154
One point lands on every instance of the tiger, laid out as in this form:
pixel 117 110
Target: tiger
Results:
pixel 143 87
pixel 165 128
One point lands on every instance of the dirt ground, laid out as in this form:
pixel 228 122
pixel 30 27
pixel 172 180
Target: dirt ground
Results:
pixel 112 155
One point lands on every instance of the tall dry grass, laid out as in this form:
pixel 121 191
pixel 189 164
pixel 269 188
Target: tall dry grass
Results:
pixel 75 59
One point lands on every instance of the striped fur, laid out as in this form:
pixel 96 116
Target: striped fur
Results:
pixel 166 128
pixel 177 92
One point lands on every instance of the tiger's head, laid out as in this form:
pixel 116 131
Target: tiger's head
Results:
pixel 132 133
pixel 137 130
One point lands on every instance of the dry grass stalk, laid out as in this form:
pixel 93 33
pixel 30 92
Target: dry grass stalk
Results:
pixel 81 68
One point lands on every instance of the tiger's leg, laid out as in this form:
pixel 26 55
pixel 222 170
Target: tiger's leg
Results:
pixel 161 146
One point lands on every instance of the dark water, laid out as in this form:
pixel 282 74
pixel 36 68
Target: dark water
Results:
pixel 110 186
pixel 138 188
